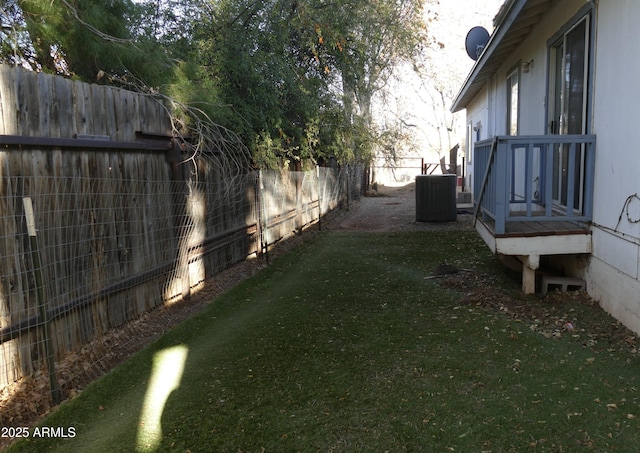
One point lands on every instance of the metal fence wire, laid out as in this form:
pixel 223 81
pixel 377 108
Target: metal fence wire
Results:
pixel 85 254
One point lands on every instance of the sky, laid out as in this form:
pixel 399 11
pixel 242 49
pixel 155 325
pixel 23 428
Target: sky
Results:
pixel 457 18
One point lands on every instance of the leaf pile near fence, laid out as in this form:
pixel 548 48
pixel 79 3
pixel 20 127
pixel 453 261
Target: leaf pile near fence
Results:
pixel 121 223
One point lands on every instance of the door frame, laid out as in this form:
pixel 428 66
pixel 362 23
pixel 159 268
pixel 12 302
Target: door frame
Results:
pixel 554 124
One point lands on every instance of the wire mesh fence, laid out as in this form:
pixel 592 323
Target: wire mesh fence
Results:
pixel 90 246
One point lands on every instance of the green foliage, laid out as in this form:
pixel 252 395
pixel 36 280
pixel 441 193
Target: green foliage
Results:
pixel 191 86
pixel 293 78
pixel 85 39
pixel 273 95
pixel 365 41
pixel 290 71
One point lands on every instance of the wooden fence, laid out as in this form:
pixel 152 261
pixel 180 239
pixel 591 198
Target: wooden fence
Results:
pixel 124 222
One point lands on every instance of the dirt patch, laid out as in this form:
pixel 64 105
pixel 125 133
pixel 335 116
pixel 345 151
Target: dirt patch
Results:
pixel 556 315
pixel 391 209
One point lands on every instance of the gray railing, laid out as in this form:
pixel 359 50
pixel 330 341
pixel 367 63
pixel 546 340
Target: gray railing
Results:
pixel 542 177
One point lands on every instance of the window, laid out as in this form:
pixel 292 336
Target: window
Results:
pixel 569 73
pixel 513 102
pixel 469 144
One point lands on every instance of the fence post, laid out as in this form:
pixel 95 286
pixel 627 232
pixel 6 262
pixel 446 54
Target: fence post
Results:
pixel 346 169
pixel 319 198
pixel 41 298
pixel 262 217
pixel 256 214
pixel 299 222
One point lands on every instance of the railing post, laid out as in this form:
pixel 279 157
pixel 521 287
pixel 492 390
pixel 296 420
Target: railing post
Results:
pixel 589 177
pixel 528 178
pixel 500 167
pixel 548 178
pixel 41 300
pixel 571 178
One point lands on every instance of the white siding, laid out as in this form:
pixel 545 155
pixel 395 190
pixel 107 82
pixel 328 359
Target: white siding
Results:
pixel 477 116
pixel 614 269
pixel 533 85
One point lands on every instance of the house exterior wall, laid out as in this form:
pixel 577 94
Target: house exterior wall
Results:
pixel 489 107
pixel 532 84
pixel 612 271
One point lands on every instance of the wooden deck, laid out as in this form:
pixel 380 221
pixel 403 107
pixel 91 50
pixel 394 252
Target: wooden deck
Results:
pixel 525 238
pixel 529 240
pixel 533 228
pixel 540 237
pixel 516 220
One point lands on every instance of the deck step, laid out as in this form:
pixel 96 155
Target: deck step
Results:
pixel 565 283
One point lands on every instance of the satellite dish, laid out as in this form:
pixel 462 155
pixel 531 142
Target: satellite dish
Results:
pixel 477 38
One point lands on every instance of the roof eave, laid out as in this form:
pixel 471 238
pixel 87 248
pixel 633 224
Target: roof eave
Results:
pixel 479 73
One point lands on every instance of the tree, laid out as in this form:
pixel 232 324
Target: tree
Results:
pixel 295 78
pixel 79 38
pixel 367 41
pixel 286 67
pixel 271 88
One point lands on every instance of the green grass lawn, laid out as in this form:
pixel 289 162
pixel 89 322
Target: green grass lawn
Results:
pixel 343 345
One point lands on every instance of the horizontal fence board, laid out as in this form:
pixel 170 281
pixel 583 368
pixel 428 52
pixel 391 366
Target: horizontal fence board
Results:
pixel 42 105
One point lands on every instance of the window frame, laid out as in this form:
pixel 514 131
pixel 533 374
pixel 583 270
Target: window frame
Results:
pixel 515 74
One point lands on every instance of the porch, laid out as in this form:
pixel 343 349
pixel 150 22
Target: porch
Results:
pixel 534 197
